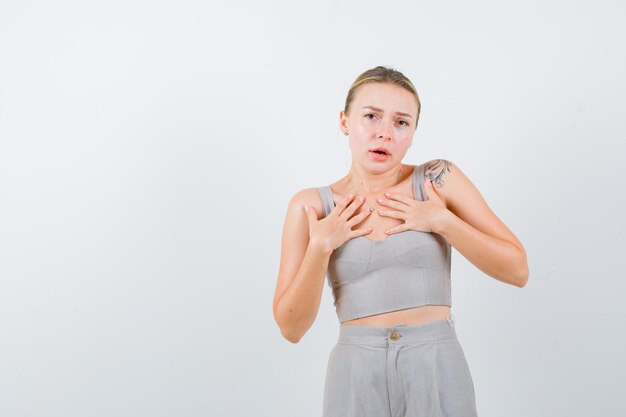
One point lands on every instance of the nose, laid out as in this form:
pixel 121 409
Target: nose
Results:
pixel 385 131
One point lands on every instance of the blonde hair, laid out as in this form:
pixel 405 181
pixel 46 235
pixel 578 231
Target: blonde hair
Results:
pixel 382 74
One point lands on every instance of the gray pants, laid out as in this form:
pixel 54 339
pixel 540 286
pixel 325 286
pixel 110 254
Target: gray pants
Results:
pixel 401 371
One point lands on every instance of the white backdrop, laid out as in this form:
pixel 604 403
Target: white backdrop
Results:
pixel 148 151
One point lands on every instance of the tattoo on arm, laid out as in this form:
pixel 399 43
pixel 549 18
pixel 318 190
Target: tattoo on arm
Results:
pixel 435 170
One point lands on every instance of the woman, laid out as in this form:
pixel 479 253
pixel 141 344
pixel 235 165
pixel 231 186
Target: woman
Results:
pixel 383 235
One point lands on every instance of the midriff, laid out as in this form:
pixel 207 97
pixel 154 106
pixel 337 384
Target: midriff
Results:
pixel 408 316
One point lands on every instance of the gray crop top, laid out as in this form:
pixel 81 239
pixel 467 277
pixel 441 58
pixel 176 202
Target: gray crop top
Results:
pixel 406 269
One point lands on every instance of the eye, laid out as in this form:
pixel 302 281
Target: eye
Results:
pixel 405 122
pixel 370 114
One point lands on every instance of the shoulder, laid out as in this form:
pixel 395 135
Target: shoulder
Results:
pixel 296 225
pixel 448 180
pixel 308 196
pixel 438 170
pixel 463 198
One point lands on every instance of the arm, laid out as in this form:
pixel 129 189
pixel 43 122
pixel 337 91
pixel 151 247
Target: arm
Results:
pixel 303 265
pixel 469 225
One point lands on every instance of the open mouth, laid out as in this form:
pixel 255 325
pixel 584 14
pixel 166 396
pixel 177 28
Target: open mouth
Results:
pixel 380 151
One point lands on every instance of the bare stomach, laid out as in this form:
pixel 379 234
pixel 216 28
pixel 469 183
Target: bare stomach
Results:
pixel 416 315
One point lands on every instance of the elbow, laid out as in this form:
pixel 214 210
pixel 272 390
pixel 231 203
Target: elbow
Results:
pixel 522 278
pixel 290 337
pixel 292 326
pixel 520 275
pixel 289 334
pixel 286 331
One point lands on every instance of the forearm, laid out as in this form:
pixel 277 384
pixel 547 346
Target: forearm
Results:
pixel 300 303
pixel 495 257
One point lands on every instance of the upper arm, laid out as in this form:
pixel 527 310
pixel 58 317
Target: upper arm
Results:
pixel 464 200
pixel 295 238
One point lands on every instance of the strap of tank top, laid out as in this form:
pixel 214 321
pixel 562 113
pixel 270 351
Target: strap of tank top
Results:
pixel 327 199
pixel 418 183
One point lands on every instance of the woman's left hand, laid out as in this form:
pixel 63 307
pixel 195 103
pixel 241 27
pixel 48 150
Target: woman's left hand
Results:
pixel 420 216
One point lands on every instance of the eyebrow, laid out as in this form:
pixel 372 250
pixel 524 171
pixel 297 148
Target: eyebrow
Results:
pixel 382 111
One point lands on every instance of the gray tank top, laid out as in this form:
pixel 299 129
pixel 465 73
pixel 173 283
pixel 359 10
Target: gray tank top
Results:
pixel 406 269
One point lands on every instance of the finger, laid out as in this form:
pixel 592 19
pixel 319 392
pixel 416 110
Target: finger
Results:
pixel 397 229
pixel 360 232
pixel 349 211
pixel 393 213
pixel 393 204
pixel 360 217
pixel 399 197
pixel 310 212
pixel 431 193
pixel 428 187
pixel 343 204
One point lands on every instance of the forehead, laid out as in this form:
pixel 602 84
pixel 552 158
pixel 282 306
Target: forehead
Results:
pixel 388 97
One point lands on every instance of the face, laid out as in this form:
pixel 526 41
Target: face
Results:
pixel 380 115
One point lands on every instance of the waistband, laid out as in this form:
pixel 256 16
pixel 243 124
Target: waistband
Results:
pixel 398 334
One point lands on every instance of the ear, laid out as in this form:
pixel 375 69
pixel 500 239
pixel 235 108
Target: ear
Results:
pixel 343 121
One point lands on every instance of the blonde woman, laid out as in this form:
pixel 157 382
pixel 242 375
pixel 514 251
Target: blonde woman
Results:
pixel 383 235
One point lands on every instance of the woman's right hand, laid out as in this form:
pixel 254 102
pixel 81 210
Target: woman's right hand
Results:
pixel 335 229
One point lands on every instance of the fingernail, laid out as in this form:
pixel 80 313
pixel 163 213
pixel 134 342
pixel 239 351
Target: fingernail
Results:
pixel 306 208
pixel 371 209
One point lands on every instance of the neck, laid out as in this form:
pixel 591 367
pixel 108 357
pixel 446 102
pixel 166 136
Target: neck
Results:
pixel 364 182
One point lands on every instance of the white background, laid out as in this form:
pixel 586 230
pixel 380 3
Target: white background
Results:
pixel 148 151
